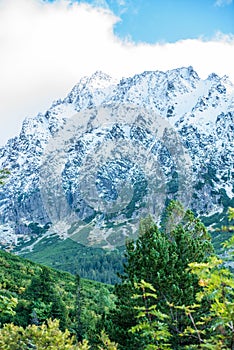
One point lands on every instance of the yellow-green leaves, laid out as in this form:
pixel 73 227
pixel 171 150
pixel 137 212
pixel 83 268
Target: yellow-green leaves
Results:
pixel 152 326
pixel 46 336
pixel 7 305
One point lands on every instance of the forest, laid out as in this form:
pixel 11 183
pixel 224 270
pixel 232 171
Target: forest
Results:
pixel 173 292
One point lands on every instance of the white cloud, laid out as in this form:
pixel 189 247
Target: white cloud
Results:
pixel 221 3
pixel 46 48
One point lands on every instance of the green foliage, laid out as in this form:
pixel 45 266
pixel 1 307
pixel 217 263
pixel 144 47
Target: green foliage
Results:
pixel 100 301
pixel 44 301
pixel 222 231
pixel 171 216
pixel 229 228
pixel 174 294
pixel 37 229
pixel 46 336
pixel 152 324
pixel 40 287
pixel 215 328
pixel 67 255
pixel 209 328
pixel 4 173
pixel 160 257
pixel 107 344
pixel 42 292
pixel 231 214
pixel 7 305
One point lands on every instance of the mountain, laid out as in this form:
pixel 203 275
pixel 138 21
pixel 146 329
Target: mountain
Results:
pixel 114 151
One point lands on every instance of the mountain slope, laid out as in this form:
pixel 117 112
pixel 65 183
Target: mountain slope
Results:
pixel 111 152
pixel 17 274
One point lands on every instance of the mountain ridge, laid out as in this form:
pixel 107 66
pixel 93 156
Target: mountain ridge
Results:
pixel 200 111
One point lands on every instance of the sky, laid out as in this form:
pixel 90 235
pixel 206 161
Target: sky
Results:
pixel 47 46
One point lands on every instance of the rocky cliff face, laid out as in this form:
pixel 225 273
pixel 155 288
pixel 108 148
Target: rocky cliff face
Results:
pixel 111 152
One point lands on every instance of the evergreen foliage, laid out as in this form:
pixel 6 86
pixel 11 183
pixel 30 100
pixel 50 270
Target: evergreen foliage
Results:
pixel 174 294
pixel 161 257
pixel 93 263
pixel 31 293
pixel 212 329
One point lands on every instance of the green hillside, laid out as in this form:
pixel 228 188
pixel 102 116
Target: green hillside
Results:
pixel 93 263
pixel 172 281
pixel 72 300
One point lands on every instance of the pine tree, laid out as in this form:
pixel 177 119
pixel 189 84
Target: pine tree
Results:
pixel 41 287
pixel 58 311
pixel 215 328
pixel 45 302
pixel 160 257
pixel 78 304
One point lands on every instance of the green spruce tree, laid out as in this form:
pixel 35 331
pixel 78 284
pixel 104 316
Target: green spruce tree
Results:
pixel 45 301
pixel 160 257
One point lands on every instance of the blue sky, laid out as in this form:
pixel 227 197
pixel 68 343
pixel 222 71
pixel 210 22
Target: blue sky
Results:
pixel 171 20
pixel 154 21
pixel 48 45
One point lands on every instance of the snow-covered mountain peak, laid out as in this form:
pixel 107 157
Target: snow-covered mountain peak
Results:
pixel 95 88
pixel 98 80
pixel 200 112
pixel 213 77
pixel 187 73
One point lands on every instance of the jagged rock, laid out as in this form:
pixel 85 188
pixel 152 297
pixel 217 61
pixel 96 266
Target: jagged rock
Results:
pixel 201 114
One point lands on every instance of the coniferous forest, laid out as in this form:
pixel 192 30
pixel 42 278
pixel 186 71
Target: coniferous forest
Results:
pixel 172 292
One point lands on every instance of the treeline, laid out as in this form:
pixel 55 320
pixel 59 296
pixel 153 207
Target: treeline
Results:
pixel 174 293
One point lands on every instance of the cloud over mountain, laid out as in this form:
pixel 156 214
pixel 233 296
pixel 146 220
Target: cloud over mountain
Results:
pixel 46 48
